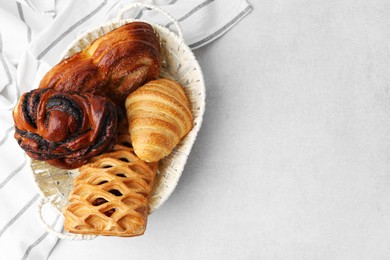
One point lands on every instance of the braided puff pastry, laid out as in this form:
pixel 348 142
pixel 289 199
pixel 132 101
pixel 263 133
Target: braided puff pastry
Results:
pixel 111 195
pixel 159 117
pixel 64 129
pixel 114 64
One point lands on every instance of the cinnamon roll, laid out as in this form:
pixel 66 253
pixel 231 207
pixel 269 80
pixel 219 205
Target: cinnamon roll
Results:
pixel 64 129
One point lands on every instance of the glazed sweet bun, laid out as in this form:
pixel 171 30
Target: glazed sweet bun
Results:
pixel 113 65
pixel 64 129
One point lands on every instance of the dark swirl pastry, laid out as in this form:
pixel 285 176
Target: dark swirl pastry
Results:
pixel 64 129
pixel 113 65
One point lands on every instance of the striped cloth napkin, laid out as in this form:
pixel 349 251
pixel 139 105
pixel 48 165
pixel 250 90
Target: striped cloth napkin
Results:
pixel 33 35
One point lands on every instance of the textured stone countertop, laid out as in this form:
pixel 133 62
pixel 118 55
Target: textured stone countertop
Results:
pixel 293 158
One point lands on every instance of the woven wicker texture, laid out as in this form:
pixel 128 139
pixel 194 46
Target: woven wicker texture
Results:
pixel 178 63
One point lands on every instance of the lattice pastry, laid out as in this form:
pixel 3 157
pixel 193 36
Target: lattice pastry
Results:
pixel 111 195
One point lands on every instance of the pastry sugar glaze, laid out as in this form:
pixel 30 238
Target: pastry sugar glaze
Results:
pixel 65 129
pixel 113 65
pixel 77 119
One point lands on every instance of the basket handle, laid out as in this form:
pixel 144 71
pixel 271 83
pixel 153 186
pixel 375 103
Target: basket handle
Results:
pixel 51 230
pixel 153 7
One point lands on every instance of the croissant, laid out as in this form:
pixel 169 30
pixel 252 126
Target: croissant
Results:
pixel 64 129
pixel 159 116
pixel 113 65
pixel 111 195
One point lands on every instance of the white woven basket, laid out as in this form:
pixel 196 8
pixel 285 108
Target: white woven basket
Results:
pixel 178 63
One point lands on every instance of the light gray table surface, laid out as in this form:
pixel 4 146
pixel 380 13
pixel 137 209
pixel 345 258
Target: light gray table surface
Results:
pixel 293 157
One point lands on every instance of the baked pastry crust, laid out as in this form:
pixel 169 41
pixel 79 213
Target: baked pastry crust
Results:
pixel 111 195
pixel 113 65
pixel 64 129
pixel 159 116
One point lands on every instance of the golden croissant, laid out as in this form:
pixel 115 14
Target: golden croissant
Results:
pixel 159 116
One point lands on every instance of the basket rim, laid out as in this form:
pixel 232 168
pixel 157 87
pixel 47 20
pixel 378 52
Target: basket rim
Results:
pixel 202 101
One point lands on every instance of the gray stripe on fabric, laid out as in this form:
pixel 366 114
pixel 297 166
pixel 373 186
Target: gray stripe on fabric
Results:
pixel 197 8
pixel 12 174
pixel 70 29
pixel 222 29
pixel 6 86
pixel 17 87
pixel 7 132
pixel 2 60
pixel 54 246
pixel 6 69
pixel 28 3
pixel 20 213
pixel 139 15
pixel 51 12
pixel 39 240
pixel 21 15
